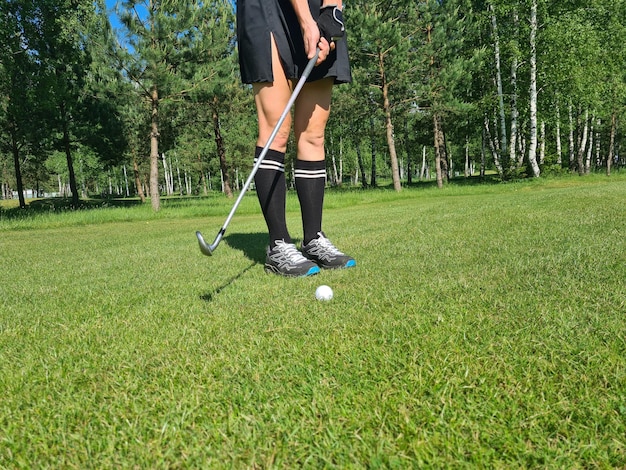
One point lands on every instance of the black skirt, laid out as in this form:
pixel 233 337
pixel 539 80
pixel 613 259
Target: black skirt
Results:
pixel 258 19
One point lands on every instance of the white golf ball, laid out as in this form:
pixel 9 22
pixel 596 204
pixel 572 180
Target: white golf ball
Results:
pixel 323 293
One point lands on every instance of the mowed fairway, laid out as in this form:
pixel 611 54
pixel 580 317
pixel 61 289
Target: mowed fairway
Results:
pixel 483 326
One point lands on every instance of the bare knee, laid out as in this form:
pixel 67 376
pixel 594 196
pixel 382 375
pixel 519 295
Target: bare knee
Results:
pixel 280 140
pixel 311 144
pixel 311 139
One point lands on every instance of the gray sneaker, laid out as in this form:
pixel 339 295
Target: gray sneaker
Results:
pixel 325 254
pixel 286 260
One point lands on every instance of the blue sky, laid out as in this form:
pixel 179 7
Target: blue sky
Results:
pixel 114 20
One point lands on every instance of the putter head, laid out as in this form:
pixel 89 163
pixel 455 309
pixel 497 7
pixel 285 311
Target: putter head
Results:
pixel 205 248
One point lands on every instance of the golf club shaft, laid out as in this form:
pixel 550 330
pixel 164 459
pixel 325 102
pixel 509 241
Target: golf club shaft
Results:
pixel 208 249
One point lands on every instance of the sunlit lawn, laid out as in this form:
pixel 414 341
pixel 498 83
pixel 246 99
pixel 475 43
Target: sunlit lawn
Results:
pixel 483 326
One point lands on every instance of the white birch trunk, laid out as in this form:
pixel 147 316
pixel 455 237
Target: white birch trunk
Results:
pixel 589 147
pixel 340 157
pixel 597 141
pixel 532 147
pixel 496 46
pixel 467 163
pixel 559 151
pixel 514 111
pixel 423 169
pixel 572 158
pixel 483 159
pixel 126 182
pixel 542 143
pixel 514 116
pixel 583 146
pixel 492 147
pixel 171 167
pixel 166 174
pixel 180 185
pixel 609 158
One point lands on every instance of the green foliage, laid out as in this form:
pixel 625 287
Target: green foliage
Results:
pixel 69 83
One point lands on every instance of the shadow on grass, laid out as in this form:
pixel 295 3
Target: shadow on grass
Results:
pixel 209 296
pixel 60 204
pixel 253 247
pixel 251 244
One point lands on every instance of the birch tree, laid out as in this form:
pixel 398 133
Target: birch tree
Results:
pixel 532 150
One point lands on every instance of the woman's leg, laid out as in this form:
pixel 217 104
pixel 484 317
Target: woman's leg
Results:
pixel 271 99
pixel 282 257
pixel 310 118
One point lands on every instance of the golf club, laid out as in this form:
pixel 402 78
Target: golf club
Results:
pixel 207 249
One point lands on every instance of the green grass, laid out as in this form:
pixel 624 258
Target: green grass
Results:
pixel 483 327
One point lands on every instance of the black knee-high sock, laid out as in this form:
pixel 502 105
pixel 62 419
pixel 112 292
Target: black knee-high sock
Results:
pixel 272 192
pixel 310 184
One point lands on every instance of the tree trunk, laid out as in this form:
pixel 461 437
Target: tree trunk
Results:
pixel 395 169
pixel 482 155
pixel 68 156
pixel 180 184
pixel 336 177
pixel 359 159
pixel 496 40
pixel 423 168
pixel 340 178
pixel 598 143
pixel 446 159
pixel 221 150
pixel 166 175
pixel 559 152
pixel 532 147
pixel 467 171
pixel 126 182
pixel 492 147
pixel 582 146
pixel 138 183
pixel 609 158
pixel 18 169
pixel 439 155
pixel 572 157
pixel 155 197
pixel 409 170
pixel 203 179
pixel 542 143
pixel 373 178
pixel 513 158
pixel 589 148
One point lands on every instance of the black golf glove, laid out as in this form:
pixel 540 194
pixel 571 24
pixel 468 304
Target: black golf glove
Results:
pixel 330 23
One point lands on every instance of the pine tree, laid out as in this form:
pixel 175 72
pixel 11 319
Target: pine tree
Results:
pixel 166 42
pixel 380 41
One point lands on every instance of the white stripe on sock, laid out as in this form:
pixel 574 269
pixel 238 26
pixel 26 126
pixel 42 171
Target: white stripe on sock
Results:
pixel 271 165
pixel 310 174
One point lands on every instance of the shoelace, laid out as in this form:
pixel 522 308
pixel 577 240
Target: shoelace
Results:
pixel 327 245
pixel 290 252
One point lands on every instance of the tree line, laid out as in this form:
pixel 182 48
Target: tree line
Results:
pixel 441 88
